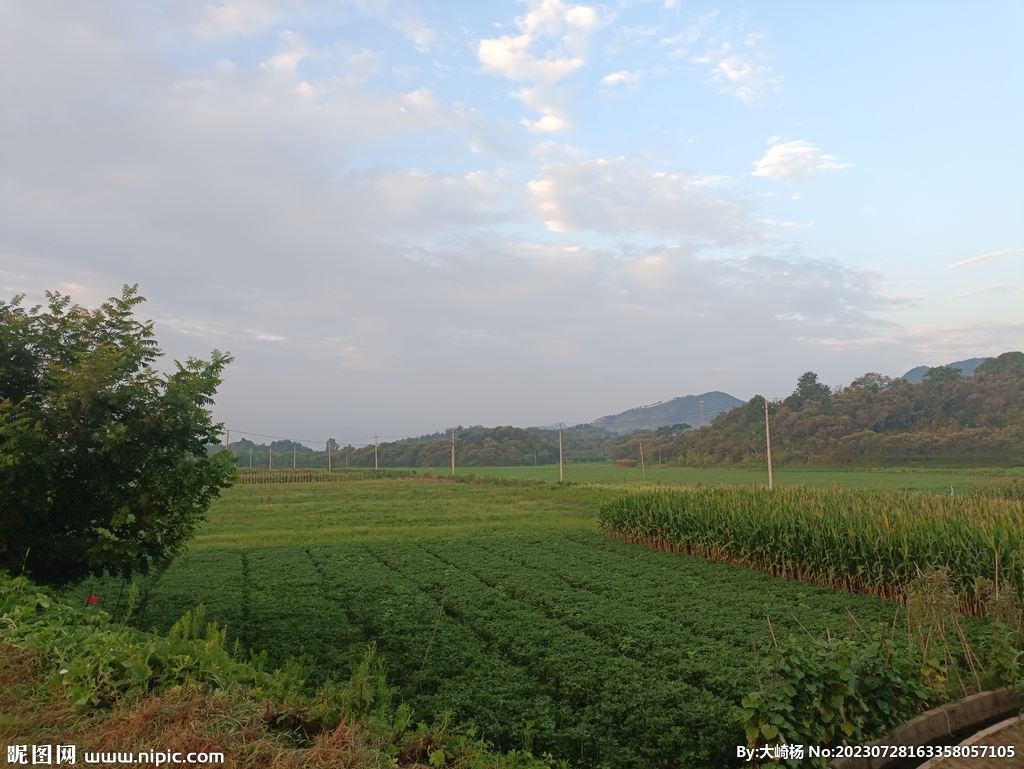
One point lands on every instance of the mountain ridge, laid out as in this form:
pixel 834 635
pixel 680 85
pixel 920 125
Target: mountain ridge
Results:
pixel 916 374
pixel 683 409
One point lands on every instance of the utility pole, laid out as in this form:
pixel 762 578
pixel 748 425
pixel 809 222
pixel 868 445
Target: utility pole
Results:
pixel 561 477
pixel 329 454
pixel 293 455
pixel 227 439
pixel 250 459
pixel 643 468
pixel 453 451
pixel 270 453
pixel 375 465
pixel 768 441
pixel 701 413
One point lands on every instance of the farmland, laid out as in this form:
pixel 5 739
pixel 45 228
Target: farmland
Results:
pixel 904 478
pixel 866 541
pixel 567 642
pixel 501 604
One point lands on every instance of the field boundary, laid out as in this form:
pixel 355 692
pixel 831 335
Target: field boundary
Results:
pixel 793 573
pixel 937 724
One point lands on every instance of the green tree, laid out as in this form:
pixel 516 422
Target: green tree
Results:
pixel 942 374
pixel 808 388
pixel 103 460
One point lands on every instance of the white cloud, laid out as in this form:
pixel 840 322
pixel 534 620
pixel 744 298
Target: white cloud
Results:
pixel 519 58
pixel 236 17
pixel 402 15
pixel 622 76
pixel 514 56
pixel 995 288
pixel 795 160
pixel 742 77
pixel 617 196
pixel 545 101
pixel 985 257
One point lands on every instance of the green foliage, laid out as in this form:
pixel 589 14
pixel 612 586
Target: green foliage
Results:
pixel 94 662
pixel 103 461
pixel 834 691
pixel 946 419
pixel 474 447
pixel 866 541
pixel 852 689
pixel 1008 362
pixel 568 644
pixel 942 374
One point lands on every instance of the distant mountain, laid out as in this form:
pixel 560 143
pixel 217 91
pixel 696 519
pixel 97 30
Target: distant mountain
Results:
pixel 966 367
pixel 685 409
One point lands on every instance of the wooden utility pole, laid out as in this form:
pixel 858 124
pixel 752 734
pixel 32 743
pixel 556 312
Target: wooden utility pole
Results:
pixel 250 459
pixel 453 451
pixel 270 453
pixel 293 455
pixel 329 454
pixel 561 477
pixel 768 441
pixel 375 465
pixel 643 469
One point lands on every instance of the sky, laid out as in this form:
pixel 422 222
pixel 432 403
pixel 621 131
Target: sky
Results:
pixel 401 216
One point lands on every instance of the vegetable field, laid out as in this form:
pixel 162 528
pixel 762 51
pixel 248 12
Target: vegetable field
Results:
pixel 572 643
pixel 856 540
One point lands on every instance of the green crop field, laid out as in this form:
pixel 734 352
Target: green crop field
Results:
pixel 315 513
pixel 501 604
pixel 563 641
pixel 914 478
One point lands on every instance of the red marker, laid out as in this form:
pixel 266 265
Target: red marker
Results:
pixel 91 599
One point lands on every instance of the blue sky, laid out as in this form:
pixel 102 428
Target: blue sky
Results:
pixel 405 215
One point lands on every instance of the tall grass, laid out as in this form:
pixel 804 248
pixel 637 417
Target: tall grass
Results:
pixel 862 541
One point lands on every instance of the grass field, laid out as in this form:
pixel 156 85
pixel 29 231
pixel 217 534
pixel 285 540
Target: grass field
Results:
pixel 917 479
pixel 320 513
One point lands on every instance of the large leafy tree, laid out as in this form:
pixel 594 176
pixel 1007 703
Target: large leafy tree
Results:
pixel 103 459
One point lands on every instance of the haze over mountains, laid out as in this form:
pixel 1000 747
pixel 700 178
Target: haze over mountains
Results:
pixel 687 409
pixel 966 367
pixel 693 410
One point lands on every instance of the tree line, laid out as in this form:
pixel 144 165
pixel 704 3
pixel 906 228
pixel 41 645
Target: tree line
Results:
pixel 947 419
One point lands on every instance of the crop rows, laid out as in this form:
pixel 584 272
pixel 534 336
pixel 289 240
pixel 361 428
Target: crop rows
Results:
pixel 862 541
pixel 592 649
pixel 306 475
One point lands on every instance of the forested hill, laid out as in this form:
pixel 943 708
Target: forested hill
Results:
pixel 510 446
pixel 966 368
pixel 691 409
pixel 947 419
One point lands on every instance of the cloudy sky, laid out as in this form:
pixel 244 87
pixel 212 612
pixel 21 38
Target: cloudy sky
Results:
pixel 403 215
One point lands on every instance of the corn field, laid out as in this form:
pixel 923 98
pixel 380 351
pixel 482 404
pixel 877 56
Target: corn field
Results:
pixel 861 541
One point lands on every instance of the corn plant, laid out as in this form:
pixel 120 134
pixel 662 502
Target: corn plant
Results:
pixel 863 541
